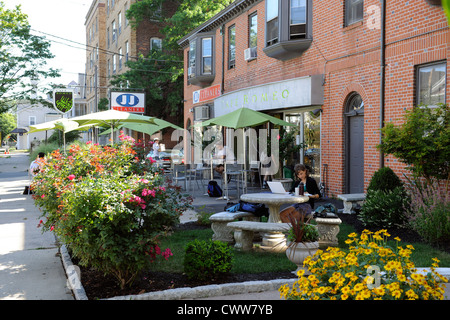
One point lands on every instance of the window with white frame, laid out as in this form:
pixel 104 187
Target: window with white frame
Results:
pixel 114 31
pixel 120 58
pixel 431 84
pixel 155 44
pixel 206 55
pixel 119 22
pixel 253 31
pixel 32 120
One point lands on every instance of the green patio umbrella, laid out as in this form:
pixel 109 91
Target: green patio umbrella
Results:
pixel 240 119
pixel 111 118
pixel 146 128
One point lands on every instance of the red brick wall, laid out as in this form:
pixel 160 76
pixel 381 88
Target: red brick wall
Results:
pixel 416 33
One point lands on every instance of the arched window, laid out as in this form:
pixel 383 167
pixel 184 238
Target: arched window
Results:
pixel 355 105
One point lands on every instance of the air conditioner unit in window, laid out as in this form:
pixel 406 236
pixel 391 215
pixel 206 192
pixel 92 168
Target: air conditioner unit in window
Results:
pixel 201 113
pixel 250 54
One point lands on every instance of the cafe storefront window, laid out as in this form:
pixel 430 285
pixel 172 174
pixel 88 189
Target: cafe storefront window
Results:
pixel 308 133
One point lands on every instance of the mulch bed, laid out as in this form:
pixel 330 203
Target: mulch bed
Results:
pixel 98 286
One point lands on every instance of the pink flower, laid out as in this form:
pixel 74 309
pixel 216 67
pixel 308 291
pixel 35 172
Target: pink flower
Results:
pixel 71 177
pixel 52 228
pixel 43 196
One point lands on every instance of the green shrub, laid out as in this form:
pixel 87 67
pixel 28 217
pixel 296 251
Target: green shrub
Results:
pixel 207 259
pixel 387 201
pixel 384 179
pixel 385 209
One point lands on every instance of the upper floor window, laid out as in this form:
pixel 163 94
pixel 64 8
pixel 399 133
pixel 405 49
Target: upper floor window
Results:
pixel 354 11
pixel 155 44
pixel 253 31
pixel 431 84
pixel 192 58
pixel 201 59
pixel 288 28
pixel 32 121
pixel 231 47
pixel 114 31
pixel 207 55
pixel 272 29
pixel 297 23
pixel 119 22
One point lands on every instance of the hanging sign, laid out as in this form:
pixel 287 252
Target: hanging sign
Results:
pixel 63 100
pixel 128 101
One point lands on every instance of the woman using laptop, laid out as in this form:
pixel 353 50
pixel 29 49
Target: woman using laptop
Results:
pixel 310 189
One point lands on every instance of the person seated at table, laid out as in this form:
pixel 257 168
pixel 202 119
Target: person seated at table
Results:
pixel 222 154
pixel 301 175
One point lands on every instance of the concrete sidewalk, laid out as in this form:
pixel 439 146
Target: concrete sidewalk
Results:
pixel 30 264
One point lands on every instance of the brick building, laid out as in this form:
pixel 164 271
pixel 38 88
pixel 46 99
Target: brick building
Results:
pixel 338 69
pixel 111 42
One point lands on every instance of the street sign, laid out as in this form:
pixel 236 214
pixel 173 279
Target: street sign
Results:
pixel 128 101
pixel 63 100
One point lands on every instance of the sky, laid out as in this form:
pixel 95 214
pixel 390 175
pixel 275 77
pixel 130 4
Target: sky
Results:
pixel 63 22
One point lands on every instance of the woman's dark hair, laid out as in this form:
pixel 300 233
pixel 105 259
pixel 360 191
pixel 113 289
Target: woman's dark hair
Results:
pixel 300 167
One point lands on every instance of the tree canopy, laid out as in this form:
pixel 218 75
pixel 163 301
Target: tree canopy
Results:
pixel 23 59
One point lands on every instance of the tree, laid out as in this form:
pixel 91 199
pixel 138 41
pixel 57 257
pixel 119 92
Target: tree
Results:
pixel 422 141
pixel 23 59
pixel 7 124
pixel 160 73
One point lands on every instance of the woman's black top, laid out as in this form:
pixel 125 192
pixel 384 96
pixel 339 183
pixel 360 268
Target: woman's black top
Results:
pixel 311 187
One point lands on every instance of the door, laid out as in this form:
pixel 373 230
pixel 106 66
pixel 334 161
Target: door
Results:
pixel 355 154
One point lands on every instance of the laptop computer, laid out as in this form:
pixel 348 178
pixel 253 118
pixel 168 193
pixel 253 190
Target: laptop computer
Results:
pixel 277 187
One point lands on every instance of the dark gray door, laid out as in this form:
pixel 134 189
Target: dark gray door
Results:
pixel 356 154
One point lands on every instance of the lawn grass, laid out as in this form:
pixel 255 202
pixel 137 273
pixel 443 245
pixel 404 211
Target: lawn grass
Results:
pixel 258 262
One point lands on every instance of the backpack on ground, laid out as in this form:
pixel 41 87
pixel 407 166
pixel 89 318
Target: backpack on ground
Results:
pixel 213 189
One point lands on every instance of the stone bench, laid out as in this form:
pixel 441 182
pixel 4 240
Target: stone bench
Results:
pixel 220 220
pixel 351 200
pixel 273 234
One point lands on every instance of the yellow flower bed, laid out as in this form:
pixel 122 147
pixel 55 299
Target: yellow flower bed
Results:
pixel 370 270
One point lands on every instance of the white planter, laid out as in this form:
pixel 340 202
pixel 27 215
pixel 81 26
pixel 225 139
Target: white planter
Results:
pixel 297 252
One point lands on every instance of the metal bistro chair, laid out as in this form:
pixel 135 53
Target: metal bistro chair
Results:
pixel 197 173
pixel 255 168
pixel 180 174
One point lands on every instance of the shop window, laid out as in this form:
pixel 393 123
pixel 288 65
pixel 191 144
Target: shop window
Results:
pixel 288 28
pixel 354 11
pixel 431 84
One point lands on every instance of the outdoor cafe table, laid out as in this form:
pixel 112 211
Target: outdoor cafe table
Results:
pixel 273 241
pixel 273 201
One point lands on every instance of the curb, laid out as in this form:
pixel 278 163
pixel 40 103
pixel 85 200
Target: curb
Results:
pixel 214 290
pixel 74 283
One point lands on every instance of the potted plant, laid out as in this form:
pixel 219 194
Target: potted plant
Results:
pixel 302 240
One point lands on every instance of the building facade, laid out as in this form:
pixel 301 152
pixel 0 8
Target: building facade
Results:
pixel 111 42
pixel 337 69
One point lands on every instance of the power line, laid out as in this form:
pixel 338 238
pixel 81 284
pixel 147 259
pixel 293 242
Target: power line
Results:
pixel 100 49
